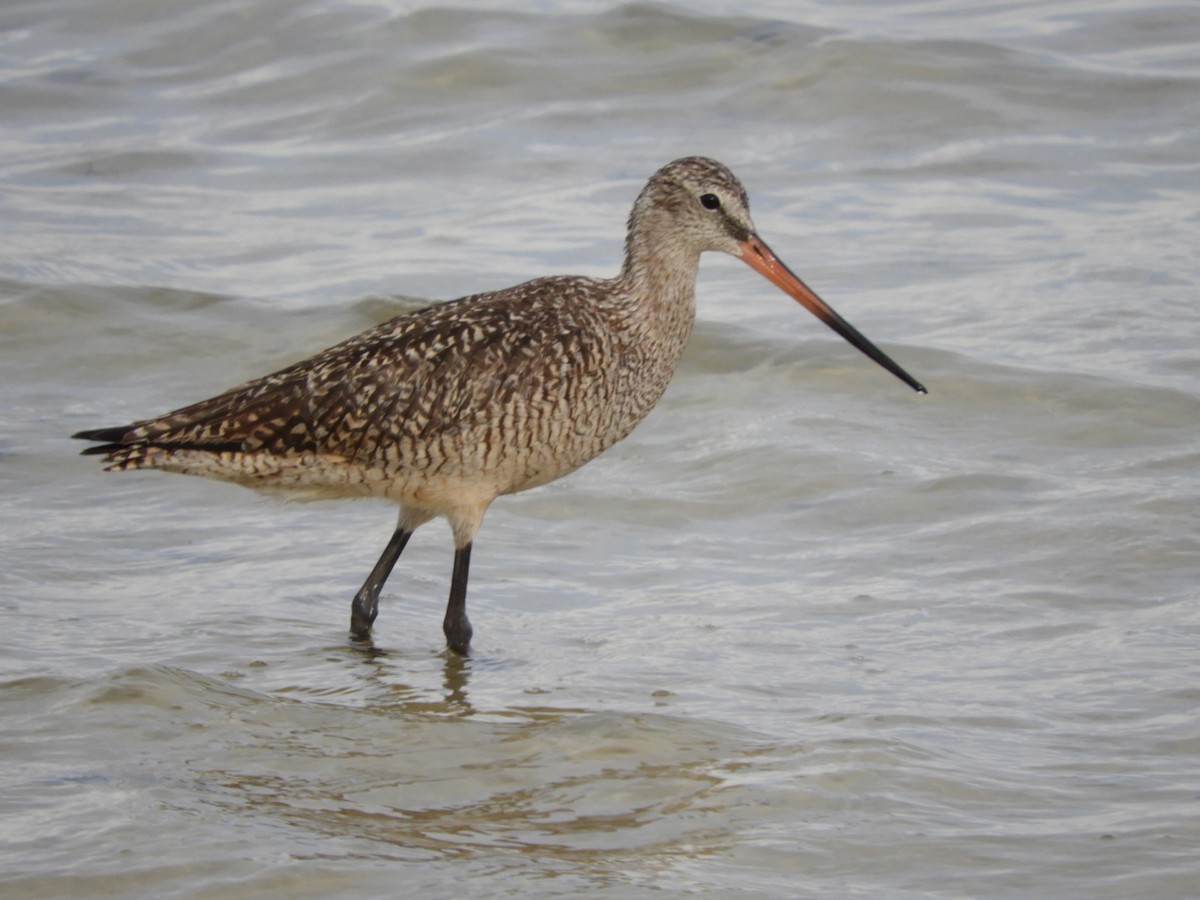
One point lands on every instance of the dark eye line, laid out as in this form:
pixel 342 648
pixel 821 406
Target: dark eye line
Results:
pixel 710 201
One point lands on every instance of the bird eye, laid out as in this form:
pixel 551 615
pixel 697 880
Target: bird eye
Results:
pixel 710 201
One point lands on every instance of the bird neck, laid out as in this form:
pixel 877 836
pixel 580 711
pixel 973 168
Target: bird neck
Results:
pixel 659 270
pixel 658 282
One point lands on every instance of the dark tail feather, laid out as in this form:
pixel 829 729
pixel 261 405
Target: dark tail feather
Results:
pixel 111 438
pixel 108 435
pixel 102 449
pixel 114 439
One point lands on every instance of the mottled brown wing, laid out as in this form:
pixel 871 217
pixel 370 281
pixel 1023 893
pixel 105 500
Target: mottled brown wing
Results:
pixel 433 375
pixel 418 376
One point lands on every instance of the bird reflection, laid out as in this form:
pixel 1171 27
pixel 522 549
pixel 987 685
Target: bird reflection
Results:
pixel 408 699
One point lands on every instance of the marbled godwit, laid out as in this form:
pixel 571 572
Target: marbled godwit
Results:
pixel 445 409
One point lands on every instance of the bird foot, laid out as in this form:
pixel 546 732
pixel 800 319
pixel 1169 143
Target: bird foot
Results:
pixel 458 635
pixel 362 616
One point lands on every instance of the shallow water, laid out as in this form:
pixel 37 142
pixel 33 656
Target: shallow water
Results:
pixel 803 634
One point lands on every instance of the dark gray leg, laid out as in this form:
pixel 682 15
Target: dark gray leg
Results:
pixel 456 625
pixel 365 605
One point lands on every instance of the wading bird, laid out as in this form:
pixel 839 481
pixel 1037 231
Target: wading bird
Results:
pixel 445 409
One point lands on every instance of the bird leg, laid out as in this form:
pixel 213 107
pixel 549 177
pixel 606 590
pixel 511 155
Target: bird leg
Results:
pixel 365 605
pixel 456 625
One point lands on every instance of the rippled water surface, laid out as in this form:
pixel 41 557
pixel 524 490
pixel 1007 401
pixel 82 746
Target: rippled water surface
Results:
pixel 803 634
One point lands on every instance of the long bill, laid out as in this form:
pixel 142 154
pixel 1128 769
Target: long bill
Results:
pixel 758 256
